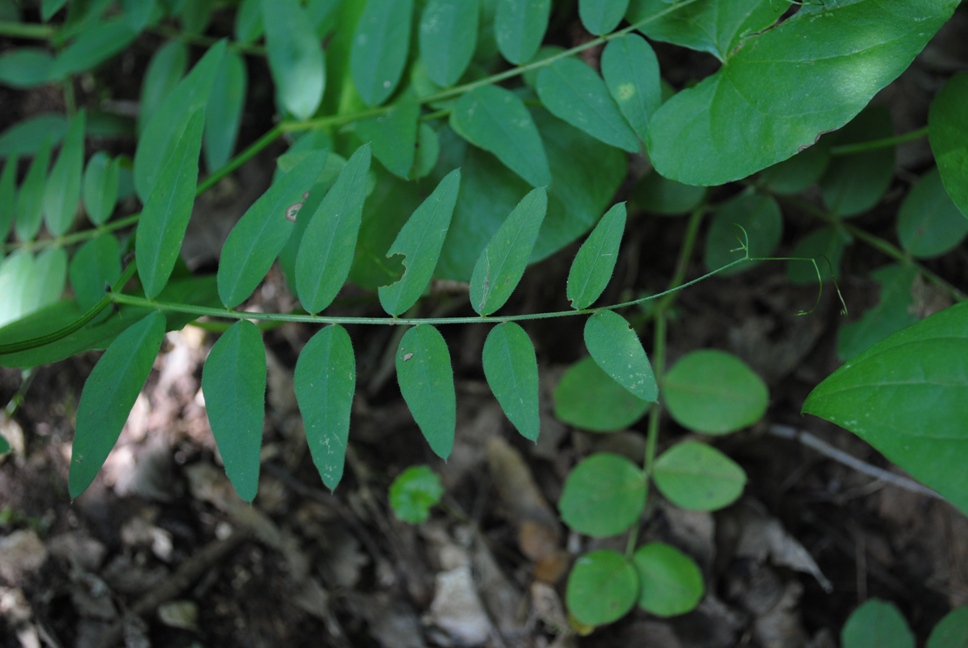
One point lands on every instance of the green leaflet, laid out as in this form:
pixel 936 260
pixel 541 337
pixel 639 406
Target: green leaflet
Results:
pixel 165 70
pixel 168 208
pixel 497 121
pixel 707 25
pixel 326 251
pixel 295 57
pixel 929 223
pixel 108 396
pixel 234 385
pixel 29 136
pixel 95 265
pixel 519 28
pixel 616 348
pixel 601 16
pixel 223 114
pixel 908 397
pixel 138 12
pixel 49 7
pixel 948 133
pixel 30 199
pixel 595 262
pixel 427 383
pixel 511 370
pixel 8 196
pixel 631 73
pixel 325 381
pixel 784 86
pixel 749 218
pixel 602 587
pixel 603 495
pixel 671 581
pixel 951 631
pixel 414 492
pixel 572 91
pixel 92 47
pixel 393 136
pixel 62 192
pixel 4 446
pixel 248 21
pixel 876 624
pixel 262 232
pixel 714 392
pixel 501 265
pixel 892 313
pixel 380 47
pixel 793 175
pixel 156 145
pixel 100 187
pixel 854 183
pixel 419 242
pixel 826 245
pixel 28 284
pixel 25 67
pixel 448 36
pixel 698 477
pixel 588 398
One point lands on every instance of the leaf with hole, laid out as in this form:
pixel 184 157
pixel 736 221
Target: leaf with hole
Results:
pixel 325 381
pixel 168 207
pixel 100 187
pixel 750 218
pixel 380 47
pixel 631 72
pixel 588 398
pixel 295 56
pixel 948 134
pixel 448 36
pixel 714 392
pixel 670 581
pixel 427 383
pixel 908 397
pixel 419 242
pixel 234 386
pixel 616 348
pixel 601 16
pixel 876 624
pixel 109 394
pixel 603 495
pixel 698 477
pixel 511 370
pixel 519 28
pixel 602 587
pixel 595 262
pixel 497 121
pixel 262 232
pixel 929 223
pixel 62 192
pixel 501 265
pixel 326 251
pixel 572 91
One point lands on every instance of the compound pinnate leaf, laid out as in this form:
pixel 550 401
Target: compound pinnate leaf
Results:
pixel 951 631
pixel 929 223
pixel 511 370
pixel 519 28
pixel 234 385
pixel 572 91
pixel 752 219
pixel 325 380
pixel 602 587
pixel 427 383
pixel 501 265
pixel 100 187
pixel 878 624
pixel 671 582
pixel 419 242
pixel 854 183
pixel 393 136
pixel 223 114
pixel 595 262
pixel 262 232
pixel 63 190
pixel 948 134
pixel 601 16
pixel 108 396
pixel 414 492
pixel 96 264
pixel 714 392
pixel 698 477
pixel 380 46
pixel 590 399
pixel 326 250
pixel 448 36
pixel 784 86
pixel 604 495
pixel 616 348
pixel 168 207
pixel 30 199
pixel 497 121
pixel 631 72
pixel 908 397
pixel 295 57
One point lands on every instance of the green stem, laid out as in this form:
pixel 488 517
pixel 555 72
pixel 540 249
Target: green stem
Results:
pixel 873 145
pixel 27 30
pixel 206 41
pixel 254 149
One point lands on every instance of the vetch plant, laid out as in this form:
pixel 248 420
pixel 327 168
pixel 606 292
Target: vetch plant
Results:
pixel 440 139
